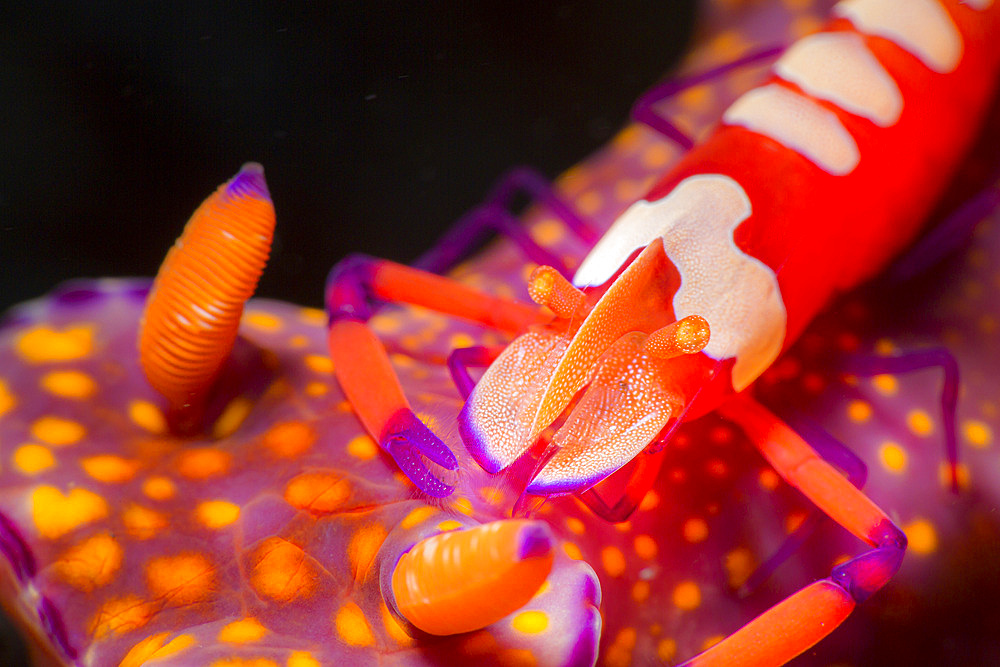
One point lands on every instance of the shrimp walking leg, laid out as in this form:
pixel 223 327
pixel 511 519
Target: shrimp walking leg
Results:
pixel 363 367
pixel 802 619
pixel 916 360
pixel 494 216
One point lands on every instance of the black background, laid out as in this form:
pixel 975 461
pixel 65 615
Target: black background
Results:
pixel 377 123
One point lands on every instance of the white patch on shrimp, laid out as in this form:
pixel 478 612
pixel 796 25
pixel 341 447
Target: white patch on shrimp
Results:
pixel 798 123
pixel 737 294
pixel 839 68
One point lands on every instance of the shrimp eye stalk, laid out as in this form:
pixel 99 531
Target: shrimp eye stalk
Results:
pixel 689 335
pixel 547 287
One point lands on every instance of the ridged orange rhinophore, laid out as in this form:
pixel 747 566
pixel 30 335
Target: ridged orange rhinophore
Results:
pixel 467 579
pixel 193 311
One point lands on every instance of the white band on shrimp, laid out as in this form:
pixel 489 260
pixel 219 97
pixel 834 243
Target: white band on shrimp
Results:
pixel 839 68
pixel 922 27
pixel 737 294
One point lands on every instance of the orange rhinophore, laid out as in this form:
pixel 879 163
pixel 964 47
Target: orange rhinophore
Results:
pixel 467 579
pixel 193 311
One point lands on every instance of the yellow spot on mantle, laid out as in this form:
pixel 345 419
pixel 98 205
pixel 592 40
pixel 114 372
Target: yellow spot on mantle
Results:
pixel 859 411
pixel 148 416
pixel 363 547
pixel 393 628
pixel 979 434
pixel 65 384
pixel 319 363
pixel 417 516
pixel 290 439
pixel 920 422
pixel 649 501
pixel 645 547
pixel 153 647
pixel 7 399
pixel 740 564
pixel 217 513
pixel 575 525
pixel 302 659
pixel 317 492
pixel 687 596
pixel 352 626
pixel 243 631
pixel 203 462
pixel 109 468
pixel 57 431
pixel 32 459
pixel 232 417
pixel 159 488
pixel 121 615
pixel 362 447
pixel 666 650
pixel 91 563
pixel 262 321
pixel 613 561
pixel 281 571
pixel 922 537
pixel 887 385
pixel 640 591
pixel 143 523
pixel 768 479
pixel 313 316
pixel 531 622
pixel 56 514
pixel 695 530
pixel 181 579
pixel 893 457
pixel 42 344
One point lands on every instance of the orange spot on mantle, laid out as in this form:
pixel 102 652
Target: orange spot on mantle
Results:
pixel 203 463
pixel 352 626
pixel 281 571
pixel 317 492
pixel 289 439
pixel 121 615
pixel 153 647
pixel 42 344
pixel 109 468
pixel 181 579
pixel 91 563
pixel 143 523
pixel 242 631
pixel 56 514
pixel 362 549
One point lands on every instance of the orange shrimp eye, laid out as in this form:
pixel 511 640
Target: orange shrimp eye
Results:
pixel 547 287
pixel 686 336
pixel 193 311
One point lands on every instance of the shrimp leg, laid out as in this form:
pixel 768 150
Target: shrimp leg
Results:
pixel 802 619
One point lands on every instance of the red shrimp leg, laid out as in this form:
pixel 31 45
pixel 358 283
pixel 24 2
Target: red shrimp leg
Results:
pixel 363 367
pixel 802 619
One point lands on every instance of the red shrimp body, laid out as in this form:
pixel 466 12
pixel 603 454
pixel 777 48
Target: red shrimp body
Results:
pixel 862 125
